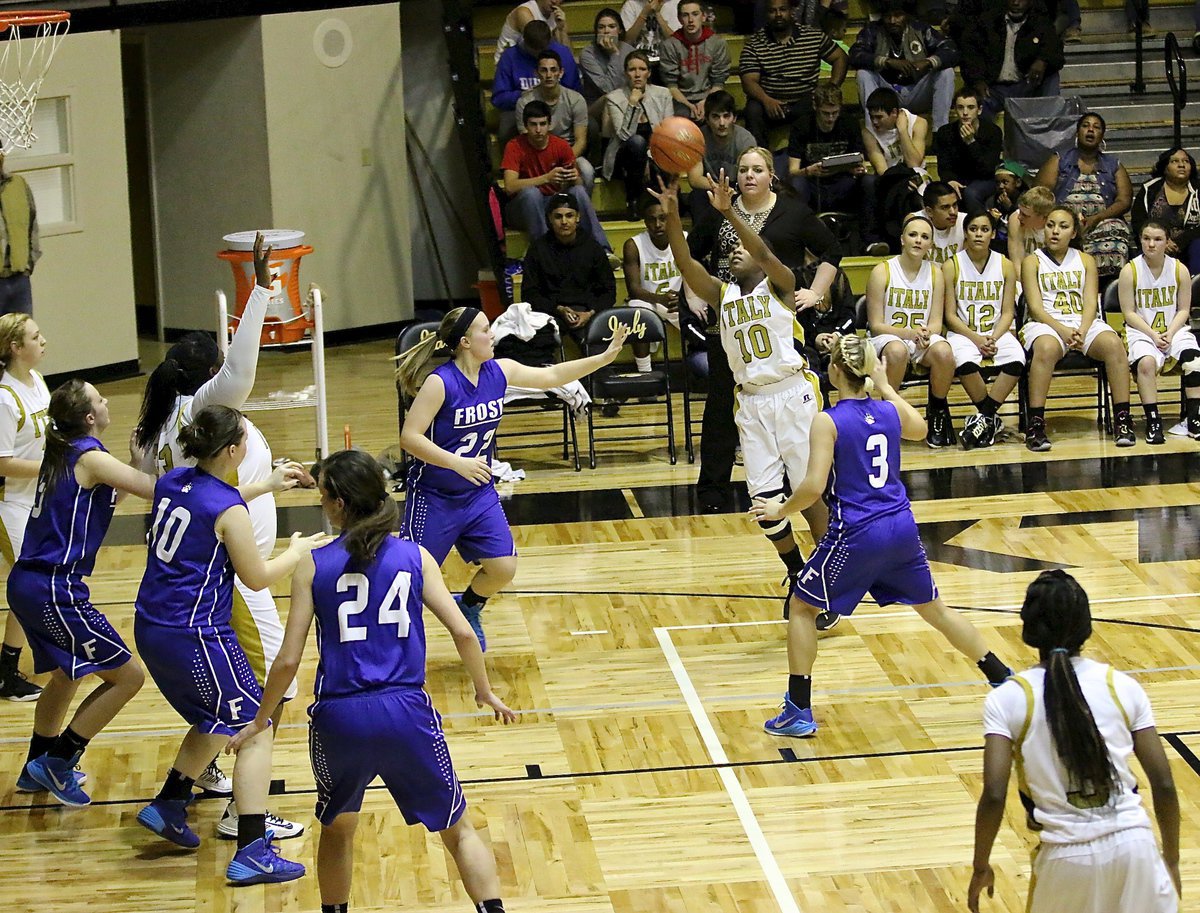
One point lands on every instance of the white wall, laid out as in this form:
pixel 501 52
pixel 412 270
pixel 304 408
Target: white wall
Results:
pixel 337 160
pixel 83 285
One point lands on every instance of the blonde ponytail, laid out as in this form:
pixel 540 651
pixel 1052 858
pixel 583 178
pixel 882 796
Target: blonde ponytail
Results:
pixel 414 365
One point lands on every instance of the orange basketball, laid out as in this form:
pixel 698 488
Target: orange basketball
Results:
pixel 676 145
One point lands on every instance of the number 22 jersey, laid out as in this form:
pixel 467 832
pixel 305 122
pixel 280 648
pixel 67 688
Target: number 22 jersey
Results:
pixel 864 481
pixel 465 425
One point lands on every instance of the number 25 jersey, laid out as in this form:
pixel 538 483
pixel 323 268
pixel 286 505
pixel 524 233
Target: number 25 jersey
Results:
pixel 864 481
pixel 465 425
pixel 758 332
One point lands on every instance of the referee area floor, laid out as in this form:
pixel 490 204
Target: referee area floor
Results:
pixel 643 643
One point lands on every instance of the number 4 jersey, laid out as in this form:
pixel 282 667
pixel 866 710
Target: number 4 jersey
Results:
pixel 464 426
pixel 189 578
pixel 864 481
pixel 758 333
pixel 370 632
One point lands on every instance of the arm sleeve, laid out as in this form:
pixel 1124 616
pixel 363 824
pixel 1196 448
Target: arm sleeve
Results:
pixel 862 52
pixel 570 77
pixel 749 62
pixel 799 230
pixel 668 61
pixel 605 280
pixel 1052 47
pixel 720 64
pixel 1140 211
pixel 505 88
pixel 944 155
pixel 232 384
pixel 944 49
pixel 533 284
pixel 998 711
pixel 8 424
pixel 986 149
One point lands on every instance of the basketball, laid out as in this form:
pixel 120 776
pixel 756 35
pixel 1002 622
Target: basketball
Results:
pixel 676 145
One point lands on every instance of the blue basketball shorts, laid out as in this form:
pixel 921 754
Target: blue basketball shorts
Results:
pixel 65 630
pixel 202 672
pixel 473 523
pixel 884 558
pixel 395 735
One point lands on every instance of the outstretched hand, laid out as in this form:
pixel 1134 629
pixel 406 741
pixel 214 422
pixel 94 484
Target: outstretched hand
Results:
pixel 721 194
pixel 499 710
pixel 620 334
pixel 667 195
pixel 262 262
pixel 768 510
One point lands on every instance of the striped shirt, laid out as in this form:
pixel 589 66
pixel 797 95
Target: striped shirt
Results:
pixel 787 71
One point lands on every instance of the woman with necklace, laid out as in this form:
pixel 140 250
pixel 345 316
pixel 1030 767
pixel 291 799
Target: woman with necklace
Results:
pixel 1171 197
pixel 905 299
pixel 1061 293
pixel 981 290
pixel 791 229
pixel 1096 185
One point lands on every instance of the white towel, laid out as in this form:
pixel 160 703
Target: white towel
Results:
pixel 575 396
pixel 520 320
pixel 503 472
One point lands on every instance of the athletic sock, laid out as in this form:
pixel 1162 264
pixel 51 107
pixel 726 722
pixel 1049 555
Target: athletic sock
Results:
pixel 1121 408
pixel 251 828
pixel 473 599
pixel 1151 411
pixel 800 690
pixel 335 907
pixel 176 788
pixel 68 745
pixel 9 657
pixel 1193 407
pixel 937 404
pixel 495 905
pixel 987 406
pixel 1037 414
pixel 40 745
pixel 793 560
pixel 643 364
pixel 993 668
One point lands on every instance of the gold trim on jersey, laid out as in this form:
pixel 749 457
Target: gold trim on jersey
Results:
pixel 244 626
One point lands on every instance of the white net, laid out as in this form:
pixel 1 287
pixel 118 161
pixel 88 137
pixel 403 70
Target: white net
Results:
pixel 28 42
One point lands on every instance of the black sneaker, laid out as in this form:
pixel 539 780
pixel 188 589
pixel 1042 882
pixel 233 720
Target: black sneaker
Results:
pixel 941 431
pixel 826 620
pixel 16 687
pixel 996 431
pixel 1154 431
pixel 1123 426
pixel 1035 436
pixel 1193 428
pixel 975 429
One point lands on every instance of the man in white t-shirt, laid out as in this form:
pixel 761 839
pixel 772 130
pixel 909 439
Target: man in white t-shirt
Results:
pixel 941 208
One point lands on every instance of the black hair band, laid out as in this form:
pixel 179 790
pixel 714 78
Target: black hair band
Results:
pixel 459 330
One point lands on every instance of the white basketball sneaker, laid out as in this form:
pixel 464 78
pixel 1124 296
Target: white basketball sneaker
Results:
pixel 283 829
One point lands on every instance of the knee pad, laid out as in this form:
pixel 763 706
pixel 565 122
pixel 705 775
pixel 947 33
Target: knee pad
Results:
pixel 1189 361
pixel 1013 369
pixel 966 370
pixel 777 529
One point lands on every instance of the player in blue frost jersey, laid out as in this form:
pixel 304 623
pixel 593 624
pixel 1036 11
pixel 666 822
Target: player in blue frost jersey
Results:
pixel 372 716
pixel 201 535
pixel 77 487
pixel 872 544
pixel 450 429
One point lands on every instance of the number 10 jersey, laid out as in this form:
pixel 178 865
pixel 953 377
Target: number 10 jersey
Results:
pixel 758 333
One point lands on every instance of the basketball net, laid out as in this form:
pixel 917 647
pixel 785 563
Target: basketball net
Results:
pixel 28 41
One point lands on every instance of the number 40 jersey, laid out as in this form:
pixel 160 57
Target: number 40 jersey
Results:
pixel 465 425
pixel 864 481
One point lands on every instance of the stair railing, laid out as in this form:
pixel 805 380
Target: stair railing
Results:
pixel 1141 10
pixel 1177 81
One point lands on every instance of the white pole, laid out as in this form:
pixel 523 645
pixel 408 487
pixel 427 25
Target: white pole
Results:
pixel 318 354
pixel 222 323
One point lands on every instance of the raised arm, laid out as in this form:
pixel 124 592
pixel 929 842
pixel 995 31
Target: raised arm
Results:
pixel 98 467
pixel 566 371
pixel 912 148
pixel 693 272
pixel 780 276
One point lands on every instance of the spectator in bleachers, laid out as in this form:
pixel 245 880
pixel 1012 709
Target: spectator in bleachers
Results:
pixel 893 135
pixel 968 150
pixel 652 279
pixel 1097 187
pixel 648 22
pixel 693 62
pixel 908 56
pixel 1171 197
pixel 813 13
pixel 630 114
pixel 779 67
pixel 568 112
pixel 942 210
pixel 1008 185
pixel 567 273
pixel 516 74
pixel 1027 226
pixel 724 143
pixel 834 131
pixel 1013 51
pixel 602 63
pixel 547 11
pixel 822 325
pixel 538 165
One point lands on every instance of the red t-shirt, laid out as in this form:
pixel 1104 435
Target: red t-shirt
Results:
pixel 527 162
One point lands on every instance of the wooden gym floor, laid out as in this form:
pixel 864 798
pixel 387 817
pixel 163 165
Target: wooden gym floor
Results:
pixel 644 644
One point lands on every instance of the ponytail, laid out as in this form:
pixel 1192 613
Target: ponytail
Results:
pixel 188 365
pixel 414 365
pixel 1057 622
pixel 856 357
pixel 70 405
pixel 369 513
pixel 210 432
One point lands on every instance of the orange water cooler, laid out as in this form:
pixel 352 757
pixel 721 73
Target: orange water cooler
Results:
pixel 287 319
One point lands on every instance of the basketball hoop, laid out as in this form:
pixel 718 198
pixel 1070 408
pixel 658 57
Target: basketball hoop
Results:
pixel 29 38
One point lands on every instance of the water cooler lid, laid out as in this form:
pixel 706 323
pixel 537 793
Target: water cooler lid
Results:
pixel 278 238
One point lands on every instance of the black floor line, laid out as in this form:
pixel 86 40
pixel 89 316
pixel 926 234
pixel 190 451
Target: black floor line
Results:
pixel 1173 739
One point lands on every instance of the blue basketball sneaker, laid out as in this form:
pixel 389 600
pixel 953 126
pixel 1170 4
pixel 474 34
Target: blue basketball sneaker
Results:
pixel 474 616
pixel 26 783
pixel 792 721
pixel 168 819
pixel 58 776
pixel 258 863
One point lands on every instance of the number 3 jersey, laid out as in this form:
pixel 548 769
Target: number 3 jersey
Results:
pixel 758 333
pixel 370 631
pixel 189 578
pixel 465 425
pixel 864 481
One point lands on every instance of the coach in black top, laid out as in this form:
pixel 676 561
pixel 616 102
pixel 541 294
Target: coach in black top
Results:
pixel 779 67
